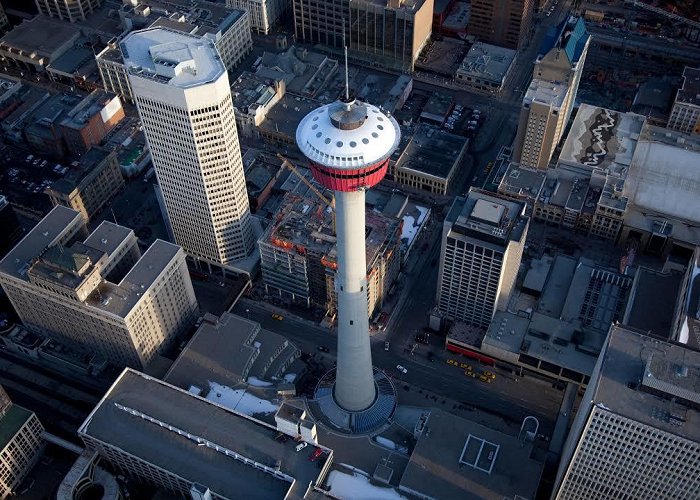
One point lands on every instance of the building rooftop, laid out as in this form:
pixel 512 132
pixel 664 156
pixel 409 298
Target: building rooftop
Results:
pixel 171 57
pixel 650 381
pixel 226 350
pixel 689 93
pixel 305 73
pixel 57 231
pixel 91 105
pixel 77 173
pixel 40 39
pixel 305 225
pixel 432 151
pixel 438 107
pixel 570 36
pixel 108 237
pixel 489 218
pixel 129 418
pixel 487 62
pixel 547 93
pixel 652 303
pixel 662 177
pixel 284 117
pixel 654 98
pixel 183 15
pixel 522 181
pixel 602 139
pixel 456 458
pixel 11 422
pixel 249 90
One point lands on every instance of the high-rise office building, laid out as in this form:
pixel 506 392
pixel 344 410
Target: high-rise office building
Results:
pixel 549 99
pixel 483 238
pixel 182 92
pixel 99 292
pixel 67 10
pixel 501 22
pixel 387 32
pixel 637 431
pixel 20 443
pixel 685 114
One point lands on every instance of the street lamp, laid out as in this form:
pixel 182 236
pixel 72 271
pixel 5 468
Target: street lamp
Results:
pixel 247 312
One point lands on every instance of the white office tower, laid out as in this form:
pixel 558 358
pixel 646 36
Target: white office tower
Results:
pixel 182 93
pixel 637 431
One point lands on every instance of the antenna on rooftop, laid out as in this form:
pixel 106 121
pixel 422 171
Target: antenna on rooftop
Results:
pixel 345 49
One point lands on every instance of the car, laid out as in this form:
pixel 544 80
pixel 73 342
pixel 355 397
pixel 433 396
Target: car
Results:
pixel 470 373
pixel 401 369
pixel 386 345
pixel 323 348
pixel 485 378
pixel 301 446
pixel 489 374
pixel 315 455
pixel 278 317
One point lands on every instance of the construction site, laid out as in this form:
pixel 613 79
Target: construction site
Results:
pixel 298 253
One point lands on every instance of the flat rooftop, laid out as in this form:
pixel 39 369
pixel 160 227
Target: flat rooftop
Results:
pixel 487 62
pixel 602 139
pixel 284 117
pixel 547 93
pixel 76 174
pixel 250 89
pixel 663 176
pixel 11 423
pixel 40 36
pixel 223 350
pixel 489 218
pixel 432 151
pixel 652 302
pixel 689 93
pixel 666 378
pixel 457 459
pixel 206 422
pixel 522 181
pixel 171 57
pixel 91 105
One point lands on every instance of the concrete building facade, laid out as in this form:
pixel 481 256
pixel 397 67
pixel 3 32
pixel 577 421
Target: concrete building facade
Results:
pixel 99 292
pixel 386 32
pixel 67 10
pixel 685 114
pixel 637 433
pixel 20 444
pixel 550 98
pixel 501 22
pixel 92 183
pixel 183 96
pixel 483 238
pixel 264 14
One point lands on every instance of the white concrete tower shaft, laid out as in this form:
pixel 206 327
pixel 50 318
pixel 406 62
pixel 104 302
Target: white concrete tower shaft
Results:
pixel 354 388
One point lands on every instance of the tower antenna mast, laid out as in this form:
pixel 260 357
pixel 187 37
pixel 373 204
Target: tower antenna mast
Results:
pixel 345 49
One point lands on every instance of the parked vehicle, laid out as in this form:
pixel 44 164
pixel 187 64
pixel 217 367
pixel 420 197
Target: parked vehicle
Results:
pixel 301 446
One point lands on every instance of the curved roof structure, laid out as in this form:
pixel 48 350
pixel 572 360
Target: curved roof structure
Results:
pixel 348 135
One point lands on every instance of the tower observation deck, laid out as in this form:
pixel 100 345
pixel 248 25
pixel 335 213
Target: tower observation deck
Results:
pixel 348 144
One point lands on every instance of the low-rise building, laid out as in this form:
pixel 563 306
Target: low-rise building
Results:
pixel 20 444
pixel 262 170
pixel 521 183
pixel 92 183
pixel 91 120
pixel 253 96
pixel 99 292
pixel 429 159
pixel 305 73
pixel 486 68
pixel 35 43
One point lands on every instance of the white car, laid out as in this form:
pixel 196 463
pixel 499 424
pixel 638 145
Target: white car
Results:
pixel 401 369
pixel 301 446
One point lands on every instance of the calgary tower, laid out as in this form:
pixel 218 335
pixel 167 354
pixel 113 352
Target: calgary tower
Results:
pixel 348 144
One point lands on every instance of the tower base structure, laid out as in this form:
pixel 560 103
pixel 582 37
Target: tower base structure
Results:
pixel 328 412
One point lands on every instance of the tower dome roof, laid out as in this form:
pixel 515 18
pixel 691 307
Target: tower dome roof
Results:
pixel 348 135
